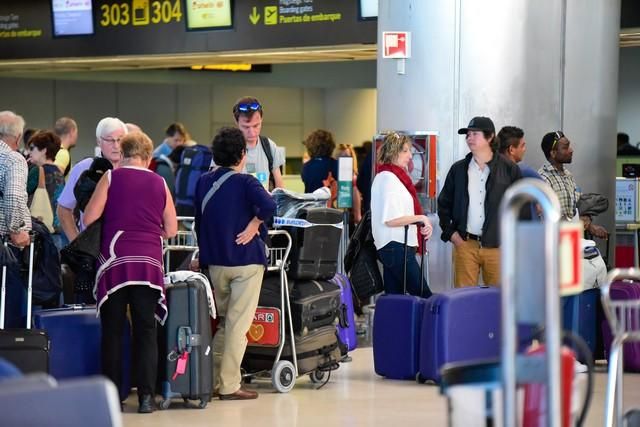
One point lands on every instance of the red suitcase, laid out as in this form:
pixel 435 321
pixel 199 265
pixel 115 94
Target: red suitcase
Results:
pixel 265 329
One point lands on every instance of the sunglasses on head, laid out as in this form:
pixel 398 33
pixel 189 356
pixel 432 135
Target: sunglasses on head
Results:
pixel 558 135
pixel 249 107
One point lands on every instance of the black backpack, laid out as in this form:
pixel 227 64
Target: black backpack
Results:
pixel 47 271
pixel 361 261
pixel 86 184
pixel 266 147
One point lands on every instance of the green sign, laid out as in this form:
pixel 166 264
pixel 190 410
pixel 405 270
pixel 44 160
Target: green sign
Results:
pixel 345 194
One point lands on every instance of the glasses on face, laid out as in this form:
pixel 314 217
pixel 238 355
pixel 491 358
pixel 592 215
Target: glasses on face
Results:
pixel 558 135
pixel 249 107
pixel 110 140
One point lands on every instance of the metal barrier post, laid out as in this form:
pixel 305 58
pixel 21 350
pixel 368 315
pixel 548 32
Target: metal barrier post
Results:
pixel 522 192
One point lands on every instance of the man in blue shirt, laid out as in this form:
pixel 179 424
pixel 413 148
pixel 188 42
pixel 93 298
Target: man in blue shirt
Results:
pixel 175 135
pixel 513 146
pixel 229 219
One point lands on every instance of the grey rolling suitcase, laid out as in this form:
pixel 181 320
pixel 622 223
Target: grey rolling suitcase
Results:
pixel 28 348
pixel 188 360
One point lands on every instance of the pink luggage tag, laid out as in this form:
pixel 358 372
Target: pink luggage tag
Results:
pixel 181 365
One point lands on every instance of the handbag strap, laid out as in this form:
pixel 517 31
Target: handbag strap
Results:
pixel 215 187
pixel 41 177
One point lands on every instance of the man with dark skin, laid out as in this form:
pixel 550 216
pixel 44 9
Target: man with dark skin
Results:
pixel 559 152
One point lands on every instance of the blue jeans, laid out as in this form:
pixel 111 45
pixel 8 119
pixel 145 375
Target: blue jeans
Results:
pixel 60 240
pixel 392 258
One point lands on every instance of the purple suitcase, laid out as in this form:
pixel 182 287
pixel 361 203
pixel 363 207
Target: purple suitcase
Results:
pixel 396 336
pixel 458 325
pixel 396 329
pixel 346 316
pixel 74 335
pixel 631 350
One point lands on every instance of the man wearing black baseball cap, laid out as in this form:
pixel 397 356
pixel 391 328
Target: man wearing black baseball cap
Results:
pixel 469 201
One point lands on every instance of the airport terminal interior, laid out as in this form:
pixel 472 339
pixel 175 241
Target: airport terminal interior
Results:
pixel 359 69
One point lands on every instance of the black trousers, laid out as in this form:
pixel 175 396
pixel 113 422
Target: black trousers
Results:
pixel 113 314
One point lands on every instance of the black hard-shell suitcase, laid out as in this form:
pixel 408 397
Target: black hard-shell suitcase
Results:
pixel 188 336
pixel 314 250
pixel 28 348
pixel 317 350
pixel 314 303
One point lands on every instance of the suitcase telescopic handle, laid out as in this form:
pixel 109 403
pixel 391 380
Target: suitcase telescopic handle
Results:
pixel 423 255
pixel 3 290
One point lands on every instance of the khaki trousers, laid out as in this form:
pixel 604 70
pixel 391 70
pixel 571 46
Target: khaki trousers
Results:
pixel 469 258
pixel 237 290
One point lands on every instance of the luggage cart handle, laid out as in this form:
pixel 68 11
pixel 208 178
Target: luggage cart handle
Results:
pixel 525 191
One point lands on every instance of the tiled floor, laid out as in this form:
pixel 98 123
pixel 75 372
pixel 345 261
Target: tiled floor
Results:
pixel 354 396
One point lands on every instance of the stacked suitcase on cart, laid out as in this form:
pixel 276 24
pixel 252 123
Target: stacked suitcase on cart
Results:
pixel 321 301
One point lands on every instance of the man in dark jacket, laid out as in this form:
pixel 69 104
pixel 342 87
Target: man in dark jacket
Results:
pixel 469 201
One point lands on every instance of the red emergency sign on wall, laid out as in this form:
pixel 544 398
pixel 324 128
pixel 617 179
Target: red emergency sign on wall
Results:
pixel 570 252
pixel 396 44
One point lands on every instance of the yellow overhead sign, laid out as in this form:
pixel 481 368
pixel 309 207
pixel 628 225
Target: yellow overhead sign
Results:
pixel 202 14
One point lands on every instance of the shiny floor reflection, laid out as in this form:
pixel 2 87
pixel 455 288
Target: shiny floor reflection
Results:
pixel 354 396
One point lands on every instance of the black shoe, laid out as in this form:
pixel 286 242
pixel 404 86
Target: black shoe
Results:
pixel 147 404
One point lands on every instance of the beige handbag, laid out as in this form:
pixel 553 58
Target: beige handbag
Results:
pixel 40 204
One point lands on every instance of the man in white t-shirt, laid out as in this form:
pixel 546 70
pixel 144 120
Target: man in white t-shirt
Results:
pixel 263 162
pixel 109 132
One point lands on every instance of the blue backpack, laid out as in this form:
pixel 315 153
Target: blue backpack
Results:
pixel 194 162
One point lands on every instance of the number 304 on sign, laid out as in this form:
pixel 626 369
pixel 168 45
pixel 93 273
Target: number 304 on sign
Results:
pixel 140 13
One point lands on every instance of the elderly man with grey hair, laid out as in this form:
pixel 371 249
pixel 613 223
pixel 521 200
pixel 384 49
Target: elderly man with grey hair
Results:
pixel 15 218
pixel 109 132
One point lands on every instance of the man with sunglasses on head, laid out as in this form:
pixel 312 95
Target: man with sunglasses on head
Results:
pixel 469 201
pixel 558 151
pixel 109 132
pixel 264 160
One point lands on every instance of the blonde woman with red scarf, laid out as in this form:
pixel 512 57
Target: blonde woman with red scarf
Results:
pixel 394 204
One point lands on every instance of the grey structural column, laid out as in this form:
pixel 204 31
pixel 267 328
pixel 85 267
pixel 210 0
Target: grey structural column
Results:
pixel 543 66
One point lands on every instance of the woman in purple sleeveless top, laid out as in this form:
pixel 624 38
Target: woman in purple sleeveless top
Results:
pixel 137 213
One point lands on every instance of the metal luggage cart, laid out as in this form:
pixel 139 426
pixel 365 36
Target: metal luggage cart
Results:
pixel 283 374
pixel 184 241
pixel 624 320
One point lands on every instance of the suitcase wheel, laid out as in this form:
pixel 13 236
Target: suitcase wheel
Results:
pixel 317 376
pixel 419 379
pixel 283 377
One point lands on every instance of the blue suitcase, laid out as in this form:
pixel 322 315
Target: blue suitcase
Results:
pixel 396 336
pixel 459 325
pixel 580 315
pixel 75 347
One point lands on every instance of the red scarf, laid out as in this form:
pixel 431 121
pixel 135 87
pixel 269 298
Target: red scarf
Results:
pixel 405 179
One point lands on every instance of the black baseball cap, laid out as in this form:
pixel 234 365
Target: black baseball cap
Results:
pixel 478 123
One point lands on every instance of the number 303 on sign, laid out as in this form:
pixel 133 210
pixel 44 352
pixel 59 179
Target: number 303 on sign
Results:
pixel 140 13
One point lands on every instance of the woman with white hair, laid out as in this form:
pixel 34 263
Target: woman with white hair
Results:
pixel 109 132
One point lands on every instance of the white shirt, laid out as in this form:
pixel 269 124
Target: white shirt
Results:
pixel 390 200
pixel 477 189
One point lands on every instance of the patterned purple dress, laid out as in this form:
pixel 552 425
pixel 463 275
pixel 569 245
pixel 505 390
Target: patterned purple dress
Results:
pixel 131 246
